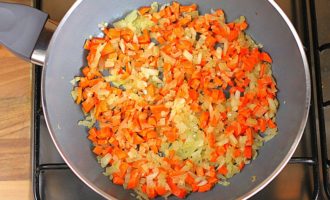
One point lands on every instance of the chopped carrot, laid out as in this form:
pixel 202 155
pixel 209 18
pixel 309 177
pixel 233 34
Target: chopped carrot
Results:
pixel 181 193
pixel 137 139
pixel 243 25
pixel 118 180
pixel 113 33
pixel 199 171
pixel 262 124
pixel 249 136
pixel 85 71
pixel 144 10
pixel 237 153
pixel 151 90
pixel 88 104
pixel 204 119
pixel 193 94
pixel 271 124
pixel 189 8
pixel 265 57
pixel 133 179
pixel 127 34
pixel 87 45
pixel 262 70
pixel 98 150
pixel 158 108
pixel 223 170
pixel 171 135
pixel 108 48
pixel 248 152
pixel 205 188
pixel 152 134
pixel 220 151
pixel 233 35
pixel 79 95
pixel 151 192
pixel 105 133
pixel 160 190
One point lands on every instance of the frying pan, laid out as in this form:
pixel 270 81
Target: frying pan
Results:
pixel 21 30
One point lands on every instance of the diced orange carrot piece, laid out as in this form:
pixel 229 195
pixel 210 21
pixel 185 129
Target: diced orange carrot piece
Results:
pixel 265 57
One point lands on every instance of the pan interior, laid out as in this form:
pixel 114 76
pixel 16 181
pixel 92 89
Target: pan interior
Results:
pixel 66 56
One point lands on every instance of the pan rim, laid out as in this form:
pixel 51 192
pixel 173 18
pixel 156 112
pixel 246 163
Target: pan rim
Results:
pixel 247 195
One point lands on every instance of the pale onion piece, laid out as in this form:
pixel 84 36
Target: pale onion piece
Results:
pixel 135 97
pixel 113 168
pixel 154 7
pixel 103 94
pixel 147 53
pixel 234 60
pixel 188 55
pixel 270 133
pixel 98 86
pixel 141 84
pixel 156 79
pixel 105 160
pixel 193 14
pixel 162 122
pixel 153 175
pixel 75 80
pixel 135 39
pixel 211 111
pixel 147 72
pixel 110 78
pixel 122 45
pixel 233 139
pixel 151 45
pixel 87 123
pixel 242 141
pixel 210 129
pixel 272 104
pixel 155 51
pixel 74 94
pixel 115 43
pixel 237 94
pixel 97 56
pixel 132 153
pixel 163 6
pixel 163 21
pixel 177 54
pixel 251 122
pixel 168 58
pixel 203 182
pixel 199 58
pixel 131 53
pixel 163 113
pixel 219 53
pixel 223 141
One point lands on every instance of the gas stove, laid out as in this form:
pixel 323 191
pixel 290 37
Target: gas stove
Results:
pixel 305 177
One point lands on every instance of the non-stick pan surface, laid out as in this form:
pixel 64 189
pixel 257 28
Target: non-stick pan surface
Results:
pixel 268 25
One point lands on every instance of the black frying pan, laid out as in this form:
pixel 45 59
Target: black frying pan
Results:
pixel 19 31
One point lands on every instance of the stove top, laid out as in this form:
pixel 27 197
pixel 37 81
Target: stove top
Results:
pixel 305 177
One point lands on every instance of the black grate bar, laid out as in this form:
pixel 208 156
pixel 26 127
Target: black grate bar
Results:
pixel 326 104
pixel 319 99
pixel 53 166
pixel 312 112
pixel 302 160
pixel 325 46
pixel 328 164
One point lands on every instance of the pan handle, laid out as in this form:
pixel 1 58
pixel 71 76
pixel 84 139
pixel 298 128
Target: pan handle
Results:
pixel 22 30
